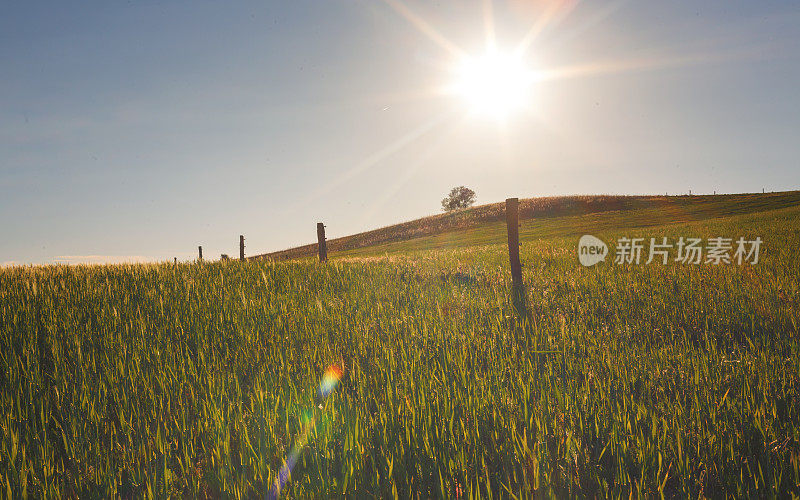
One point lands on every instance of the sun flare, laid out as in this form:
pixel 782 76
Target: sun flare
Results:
pixel 496 84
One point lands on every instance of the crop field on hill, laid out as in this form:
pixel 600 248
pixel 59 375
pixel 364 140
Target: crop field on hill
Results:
pixel 197 380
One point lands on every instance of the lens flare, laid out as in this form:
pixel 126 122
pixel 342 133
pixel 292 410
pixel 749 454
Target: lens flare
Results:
pixel 330 379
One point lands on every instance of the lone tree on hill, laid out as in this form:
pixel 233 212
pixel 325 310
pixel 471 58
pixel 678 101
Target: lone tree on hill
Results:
pixel 459 197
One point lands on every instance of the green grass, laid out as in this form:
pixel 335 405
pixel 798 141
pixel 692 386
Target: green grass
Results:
pixel 542 217
pixel 194 381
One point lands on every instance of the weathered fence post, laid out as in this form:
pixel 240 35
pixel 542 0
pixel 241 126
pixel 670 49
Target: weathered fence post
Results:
pixel 323 246
pixel 176 260
pixel 199 252
pixel 512 225
pixel 241 247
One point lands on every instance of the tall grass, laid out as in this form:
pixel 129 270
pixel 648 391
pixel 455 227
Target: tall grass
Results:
pixel 194 380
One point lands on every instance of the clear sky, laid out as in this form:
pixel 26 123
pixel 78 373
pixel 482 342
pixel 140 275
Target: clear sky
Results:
pixel 138 130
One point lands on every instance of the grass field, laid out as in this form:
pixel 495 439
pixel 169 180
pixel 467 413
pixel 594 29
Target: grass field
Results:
pixel 543 217
pixel 196 380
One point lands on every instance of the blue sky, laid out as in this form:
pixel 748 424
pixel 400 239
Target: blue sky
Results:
pixel 139 130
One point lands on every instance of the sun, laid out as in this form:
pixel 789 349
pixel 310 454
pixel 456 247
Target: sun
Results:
pixel 494 84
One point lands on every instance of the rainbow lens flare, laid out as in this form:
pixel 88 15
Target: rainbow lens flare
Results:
pixel 330 379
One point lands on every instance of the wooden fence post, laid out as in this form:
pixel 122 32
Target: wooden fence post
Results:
pixel 323 246
pixel 199 252
pixel 241 247
pixel 512 225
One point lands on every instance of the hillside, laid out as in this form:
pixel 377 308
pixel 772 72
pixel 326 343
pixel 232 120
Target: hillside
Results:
pixel 561 216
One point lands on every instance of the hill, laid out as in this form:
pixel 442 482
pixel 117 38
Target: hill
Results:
pixel 548 216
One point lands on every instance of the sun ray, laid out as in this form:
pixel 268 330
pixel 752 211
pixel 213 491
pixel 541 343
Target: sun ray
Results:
pixel 599 15
pixel 506 148
pixel 425 28
pixel 488 24
pixel 378 156
pixel 412 168
pixel 556 8
pixel 619 66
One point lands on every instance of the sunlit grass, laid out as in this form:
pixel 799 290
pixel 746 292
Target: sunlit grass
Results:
pixel 156 380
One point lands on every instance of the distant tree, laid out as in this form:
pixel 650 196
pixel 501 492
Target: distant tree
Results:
pixel 459 197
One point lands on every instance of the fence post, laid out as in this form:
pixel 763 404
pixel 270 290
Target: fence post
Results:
pixel 512 225
pixel 323 246
pixel 241 247
pixel 199 252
